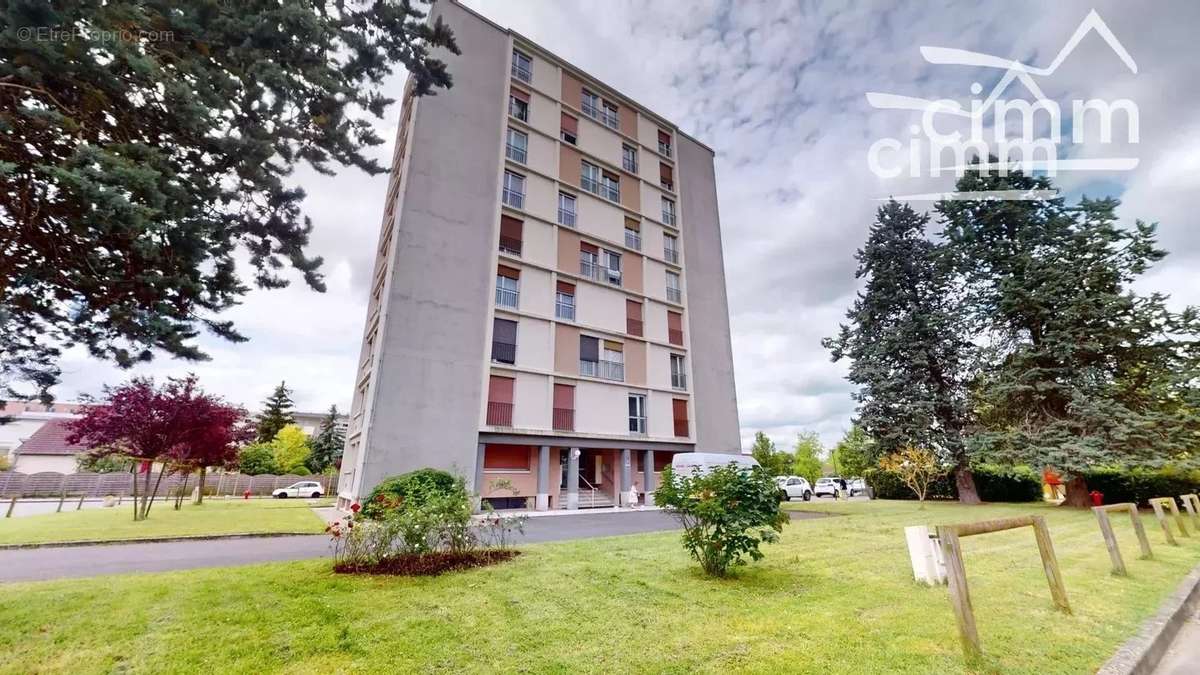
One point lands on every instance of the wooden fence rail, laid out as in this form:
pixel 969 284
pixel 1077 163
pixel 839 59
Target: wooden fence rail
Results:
pixel 1110 539
pixel 1161 505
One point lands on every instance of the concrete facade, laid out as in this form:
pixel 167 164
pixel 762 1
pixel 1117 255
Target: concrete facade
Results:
pixel 540 296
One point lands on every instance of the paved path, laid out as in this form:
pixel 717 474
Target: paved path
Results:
pixel 83 561
pixel 1184 655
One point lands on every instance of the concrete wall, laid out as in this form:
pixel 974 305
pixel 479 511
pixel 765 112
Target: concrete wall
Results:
pixel 427 388
pixel 29 464
pixel 714 400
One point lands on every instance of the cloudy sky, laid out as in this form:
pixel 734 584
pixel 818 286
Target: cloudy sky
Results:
pixel 778 89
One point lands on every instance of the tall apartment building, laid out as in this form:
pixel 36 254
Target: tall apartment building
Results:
pixel 548 314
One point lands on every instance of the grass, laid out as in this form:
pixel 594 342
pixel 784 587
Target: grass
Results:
pixel 214 516
pixel 835 595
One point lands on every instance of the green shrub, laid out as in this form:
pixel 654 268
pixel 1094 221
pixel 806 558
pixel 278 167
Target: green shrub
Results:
pixel 408 489
pixel 1139 485
pixel 994 484
pixel 726 513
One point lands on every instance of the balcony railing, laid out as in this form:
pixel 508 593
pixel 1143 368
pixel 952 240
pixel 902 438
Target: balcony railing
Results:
pixel 590 184
pixel 513 198
pixel 566 217
pixel 674 295
pixel 611 370
pixel 510 245
pixel 504 352
pixel 610 118
pixel 591 270
pixel 564 419
pixel 679 380
pixel 506 297
pixel 590 109
pixel 563 310
pixel 674 336
pixel 521 72
pixel 668 217
pixel 671 255
pixel 500 414
pixel 664 149
pixel 633 240
pixel 515 153
pixel 629 163
pixel 610 192
pixel 667 184
pixel 633 326
pixel 588 368
pixel 681 428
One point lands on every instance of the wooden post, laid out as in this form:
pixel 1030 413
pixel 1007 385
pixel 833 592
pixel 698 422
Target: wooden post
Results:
pixel 79 506
pixel 1110 541
pixel 1162 520
pixel 1191 504
pixel 1143 541
pixel 12 504
pixel 1050 564
pixel 960 594
pixel 62 497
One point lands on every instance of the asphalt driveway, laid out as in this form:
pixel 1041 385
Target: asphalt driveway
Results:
pixel 37 564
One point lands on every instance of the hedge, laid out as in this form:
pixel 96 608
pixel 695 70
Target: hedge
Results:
pixel 994 483
pixel 1139 485
pixel 411 488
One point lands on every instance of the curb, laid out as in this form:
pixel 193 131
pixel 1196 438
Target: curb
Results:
pixel 155 540
pixel 1142 654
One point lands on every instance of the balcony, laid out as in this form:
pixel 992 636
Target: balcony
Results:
pixel 633 327
pixel 514 152
pixel 675 295
pixel 506 297
pixel 500 414
pixel 671 255
pixel 674 336
pixel 633 240
pixel 566 217
pixel 681 428
pixel 564 310
pixel 504 352
pixel 510 245
pixel 564 419
pixel 514 198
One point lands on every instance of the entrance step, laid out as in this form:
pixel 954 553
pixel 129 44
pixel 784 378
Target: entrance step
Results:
pixel 588 500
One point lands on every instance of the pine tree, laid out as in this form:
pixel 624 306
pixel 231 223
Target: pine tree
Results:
pixel 1079 371
pixel 327 444
pixel 906 345
pixel 276 414
pixel 137 173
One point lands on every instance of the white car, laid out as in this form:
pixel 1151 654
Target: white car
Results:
pixel 857 486
pixel 305 488
pixel 791 487
pixel 828 486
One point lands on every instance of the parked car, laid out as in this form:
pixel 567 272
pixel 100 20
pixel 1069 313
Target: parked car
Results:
pixel 827 486
pixel 793 486
pixel 857 486
pixel 305 488
pixel 688 463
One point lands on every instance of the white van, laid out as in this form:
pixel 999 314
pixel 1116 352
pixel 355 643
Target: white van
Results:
pixel 688 463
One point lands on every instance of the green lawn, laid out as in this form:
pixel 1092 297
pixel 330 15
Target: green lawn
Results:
pixel 834 596
pixel 214 516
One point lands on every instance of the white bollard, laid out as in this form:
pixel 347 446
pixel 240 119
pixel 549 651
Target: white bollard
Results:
pixel 926 555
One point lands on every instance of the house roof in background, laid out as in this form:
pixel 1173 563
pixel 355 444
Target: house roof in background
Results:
pixel 50 439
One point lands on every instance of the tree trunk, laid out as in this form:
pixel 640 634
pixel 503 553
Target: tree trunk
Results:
pixel 146 492
pixel 1077 492
pixel 162 472
pixel 200 493
pixel 965 481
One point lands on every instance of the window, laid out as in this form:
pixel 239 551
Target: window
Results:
pixel 680 412
pixel 633 234
pixel 510 235
pixel 664 143
pixel 569 128
pixel 564 407
pixel 589 177
pixel 678 374
pixel 504 341
pixel 612 361
pixel 673 292
pixel 514 190
pixel 670 248
pixel 518 104
pixel 590 104
pixel 675 328
pixel 668 211
pixel 517 146
pixel 666 176
pixel 609 115
pixel 629 158
pixel 637 414
pixel 612 267
pixel 610 186
pixel 589 261
pixel 508 287
pixel 522 66
pixel 566 209
pixel 589 355
pixel 564 301
pixel 633 317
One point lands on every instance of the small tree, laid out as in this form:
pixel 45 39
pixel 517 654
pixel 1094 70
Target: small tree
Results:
pixel 327 444
pixel 808 456
pixel 256 459
pixel 777 463
pixel 852 455
pixel 916 467
pixel 276 414
pixel 291 449
pixel 726 513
